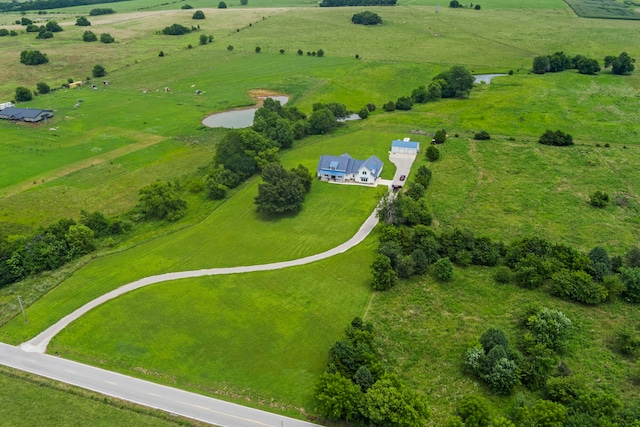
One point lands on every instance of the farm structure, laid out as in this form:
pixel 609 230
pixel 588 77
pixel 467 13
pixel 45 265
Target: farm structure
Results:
pixel 25 114
pixel 5 105
pixel 406 146
pixel 347 169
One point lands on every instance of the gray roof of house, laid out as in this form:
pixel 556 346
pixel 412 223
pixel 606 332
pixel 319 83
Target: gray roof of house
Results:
pixel 349 165
pixel 23 113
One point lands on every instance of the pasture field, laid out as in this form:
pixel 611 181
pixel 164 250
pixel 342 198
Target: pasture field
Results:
pixel 425 327
pixel 22 396
pixel 603 9
pixel 262 338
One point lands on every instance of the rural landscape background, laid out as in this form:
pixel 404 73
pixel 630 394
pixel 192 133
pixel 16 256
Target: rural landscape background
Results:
pixel 261 339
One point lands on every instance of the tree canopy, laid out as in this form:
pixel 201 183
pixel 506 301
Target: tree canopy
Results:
pixel 33 57
pixel 457 82
pixel 366 18
pixel 176 30
pixel 621 65
pixel 557 138
pixel 282 191
pixel 160 200
pixel 82 21
pixel 23 94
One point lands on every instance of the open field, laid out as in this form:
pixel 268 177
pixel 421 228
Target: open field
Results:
pixel 425 328
pixel 258 338
pixel 262 338
pixel 22 398
pixel 603 9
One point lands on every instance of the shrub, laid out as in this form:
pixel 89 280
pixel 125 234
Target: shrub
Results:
pixel 229 48
pixel 577 286
pixel 432 153
pixel 98 71
pixel 89 36
pixel 186 7
pixel 478 7
pixel 23 94
pixel 175 30
pixel 474 411
pixel 599 199
pixel 630 276
pixel 44 35
pixel 320 53
pixel 444 269
pixel 550 328
pixel 483 135
pixel 244 2
pixel 404 103
pixel 101 11
pixel 493 337
pixel 33 57
pixel 363 113
pixel 106 38
pixel 161 54
pixel 540 64
pixel 389 106
pixel 53 26
pixel 43 88
pixel 440 137
pixel 556 138
pixel 258 49
pixel 203 39
pixel 627 341
pixel 504 376
pixel 384 276
pixel 222 5
pixel 82 22
pixel 542 413
pixel 502 275
pixel 366 18
pixel 632 258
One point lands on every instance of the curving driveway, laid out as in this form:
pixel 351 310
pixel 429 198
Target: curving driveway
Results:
pixel 30 356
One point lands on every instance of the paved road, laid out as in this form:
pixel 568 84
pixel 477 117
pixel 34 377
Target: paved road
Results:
pixel 191 405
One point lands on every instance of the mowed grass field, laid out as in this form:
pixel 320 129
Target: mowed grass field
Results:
pixel 262 338
pixel 257 338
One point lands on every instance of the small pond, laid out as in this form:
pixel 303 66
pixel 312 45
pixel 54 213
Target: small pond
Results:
pixel 237 119
pixel 486 78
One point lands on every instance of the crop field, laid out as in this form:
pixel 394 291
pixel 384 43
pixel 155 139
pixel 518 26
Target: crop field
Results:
pixel 603 9
pixel 262 338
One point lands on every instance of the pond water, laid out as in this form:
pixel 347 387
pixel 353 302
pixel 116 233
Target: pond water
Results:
pixel 486 78
pixel 237 119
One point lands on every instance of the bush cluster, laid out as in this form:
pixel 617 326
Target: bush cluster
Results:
pixel 33 57
pixel 101 11
pixel 366 18
pixel 356 388
pixel 557 138
pixel 51 247
pixel 559 61
pixel 337 3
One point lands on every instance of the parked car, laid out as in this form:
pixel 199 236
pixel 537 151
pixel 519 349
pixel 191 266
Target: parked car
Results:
pixel 403 177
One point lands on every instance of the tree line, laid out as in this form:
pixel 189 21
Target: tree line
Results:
pixel 338 3
pixel 456 82
pixel 48 4
pixel 622 64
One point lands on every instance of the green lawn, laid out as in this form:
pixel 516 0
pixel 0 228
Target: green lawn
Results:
pixel 27 399
pixel 259 338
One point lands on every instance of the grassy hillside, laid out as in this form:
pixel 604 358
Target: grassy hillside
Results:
pixel 262 338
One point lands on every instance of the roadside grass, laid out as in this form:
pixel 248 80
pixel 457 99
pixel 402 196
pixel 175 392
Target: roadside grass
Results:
pixel 257 338
pixel 22 396
pixel 425 327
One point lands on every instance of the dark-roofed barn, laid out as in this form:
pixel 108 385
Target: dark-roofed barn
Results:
pixel 25 114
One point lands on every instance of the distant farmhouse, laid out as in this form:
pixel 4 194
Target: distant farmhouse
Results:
pixel 347 169
pixel 25 114
pixel 405 146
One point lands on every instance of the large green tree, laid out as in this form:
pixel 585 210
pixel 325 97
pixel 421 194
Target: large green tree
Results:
pixel 322 121
pixel 622 65
pixel 23 94
pixel 281 191
pixel 338 397
pixel 391 403
pixel 160 200
pixel 458 82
